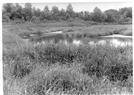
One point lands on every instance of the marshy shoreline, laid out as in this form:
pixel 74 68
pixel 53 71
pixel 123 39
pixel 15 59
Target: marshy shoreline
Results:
pixel 81 62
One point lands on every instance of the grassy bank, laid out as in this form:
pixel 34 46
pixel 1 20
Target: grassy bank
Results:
pixel 57 69
pixel 64 26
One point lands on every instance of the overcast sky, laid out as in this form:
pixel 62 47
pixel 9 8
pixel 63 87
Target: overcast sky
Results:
pixel 82 6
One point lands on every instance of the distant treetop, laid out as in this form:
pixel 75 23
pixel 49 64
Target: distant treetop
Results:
pixel 13 12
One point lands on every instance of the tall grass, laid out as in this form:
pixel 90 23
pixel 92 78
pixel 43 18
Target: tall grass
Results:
pixel 54 68
pixel 60 79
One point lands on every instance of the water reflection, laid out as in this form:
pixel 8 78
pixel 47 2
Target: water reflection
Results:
pixel 78 39
pixel 113 42
pixel 77 42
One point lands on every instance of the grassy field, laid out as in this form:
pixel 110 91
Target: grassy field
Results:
pixel 59 69
pixel 65 27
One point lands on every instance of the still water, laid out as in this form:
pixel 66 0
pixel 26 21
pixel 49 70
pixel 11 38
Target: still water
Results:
pixel 59 37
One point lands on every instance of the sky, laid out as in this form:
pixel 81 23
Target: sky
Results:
pixel 83 6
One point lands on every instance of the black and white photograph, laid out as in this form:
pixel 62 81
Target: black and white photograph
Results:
pixel 67 48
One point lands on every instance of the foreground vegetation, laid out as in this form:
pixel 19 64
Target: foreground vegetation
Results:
pixel 57 69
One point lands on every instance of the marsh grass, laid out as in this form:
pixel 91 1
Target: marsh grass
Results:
pixel 66 69
pixel 61 78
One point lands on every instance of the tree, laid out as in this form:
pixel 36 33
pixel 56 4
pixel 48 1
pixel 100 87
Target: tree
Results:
pixel 17 12
pixel 36 12
pixel 46 13
pixel 55 13
pixel 80 15
pixel 97 15
pixel 27 12
pixel 62 14
pixel 87 15
pixel 46 9
pixel 125 15
pixel 7 11
pixel 126 12
pixel 69 8
pixel 112 15
pixel 7 7
pixel 69 11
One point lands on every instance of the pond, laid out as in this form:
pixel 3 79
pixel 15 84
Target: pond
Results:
pixel 113 42
pixel 60 37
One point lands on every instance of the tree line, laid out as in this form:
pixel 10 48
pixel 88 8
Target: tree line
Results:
pixel 15 12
